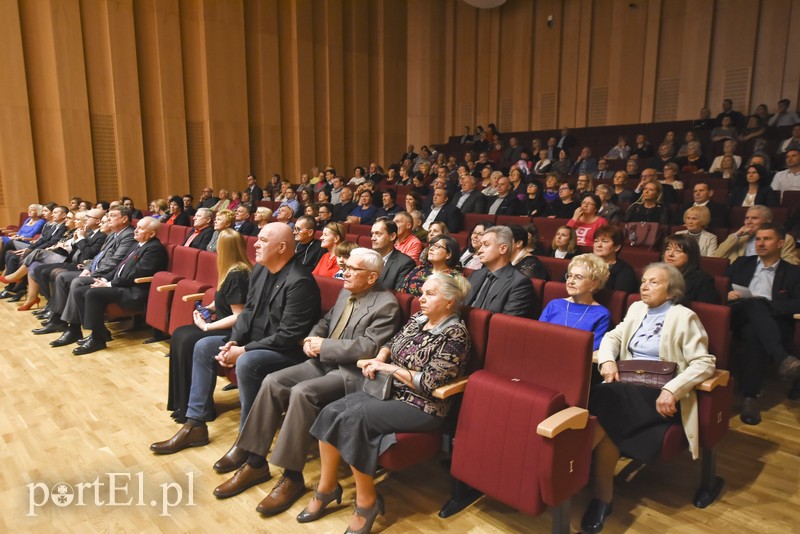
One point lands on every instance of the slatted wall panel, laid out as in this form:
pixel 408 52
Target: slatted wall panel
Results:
pixel 598 105
pixel 667 99
pixel 104 154
pixel 547 110
pixel 196 148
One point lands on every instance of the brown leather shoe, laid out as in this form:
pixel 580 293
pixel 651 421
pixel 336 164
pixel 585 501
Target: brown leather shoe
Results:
pixel 187 436
pixel 233 460
pixel 282 496
pixel 789 369
pixel 245 477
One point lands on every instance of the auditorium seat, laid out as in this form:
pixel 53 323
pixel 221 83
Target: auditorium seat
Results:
pixel 205 278
pixel 556 267
pixel 524 435
pixel 163 284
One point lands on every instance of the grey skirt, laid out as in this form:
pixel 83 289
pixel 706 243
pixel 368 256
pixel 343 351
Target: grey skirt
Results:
pixel 362 427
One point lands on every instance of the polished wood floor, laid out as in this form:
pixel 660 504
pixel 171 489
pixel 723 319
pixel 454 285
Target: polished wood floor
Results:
pixel 74 419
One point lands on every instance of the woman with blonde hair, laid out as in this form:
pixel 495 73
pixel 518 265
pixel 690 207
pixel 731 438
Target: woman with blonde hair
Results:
pixel 586 275
pixel 262 218
pixel 234 269
pixel 224 201
pixel 224 219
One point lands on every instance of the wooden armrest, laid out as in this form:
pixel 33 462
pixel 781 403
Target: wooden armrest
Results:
pixel 452 388
pixel 720 378
pixel 166 288
pixel 572 418
pixel 193 296
pixel 143 280
pixel 797 316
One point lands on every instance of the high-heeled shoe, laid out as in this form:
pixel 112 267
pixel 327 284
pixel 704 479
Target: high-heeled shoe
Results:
pixel 369 514
pixel 325 499
pixel 28 305
pixel 6 280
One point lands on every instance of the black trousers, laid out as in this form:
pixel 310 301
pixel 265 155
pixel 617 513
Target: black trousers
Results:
pixel 764 334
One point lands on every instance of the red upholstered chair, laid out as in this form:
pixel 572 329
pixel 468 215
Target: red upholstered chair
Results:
pixel 714 398
pixel 178 233
pixel 556 267
pixel 538 290
pixel 547 228
pixel 329 289
pixel 162 287
pixel 364 241
pixel 714 266
pixel 188 290
pixel 360 229
pixel 524 435
pixel 638 258
pixel 415 447
pixel 250 247
pixel 163 233
pixel 471 219
pixel 505 220
pixel 406 303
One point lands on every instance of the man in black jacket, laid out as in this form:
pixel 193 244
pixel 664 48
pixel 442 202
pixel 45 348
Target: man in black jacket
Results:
pixel 764 297
pixel 203 230
pixel 396 265
pixel 283 304
pixel 256 194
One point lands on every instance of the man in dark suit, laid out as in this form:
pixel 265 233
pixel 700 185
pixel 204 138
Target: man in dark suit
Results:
pixel 702 197
pixel 443 211
pixel 469 199
pixel 282 305
pixel 764 297
pixel 498 286
pixel 388 204
pixel 241 222
pixel 145 259
pixel 566 141
pixel 308 250
pixel 256 194
pixel 207 199
pixel 203 230
pixel 363 319
pixel 345 206
pixel 396 265
pixel 505 203
pixel 103 265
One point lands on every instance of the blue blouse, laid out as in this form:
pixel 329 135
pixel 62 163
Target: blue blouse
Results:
pixel 32 230
pixel 367 215
pixel 646 341
pixel 592 318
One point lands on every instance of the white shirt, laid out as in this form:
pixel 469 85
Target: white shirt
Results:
pixel 786 180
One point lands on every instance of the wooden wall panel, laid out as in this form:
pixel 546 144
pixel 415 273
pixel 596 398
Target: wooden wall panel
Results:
pixel 59 109
pixel 199 92
pixel 17 161
pixel 163 110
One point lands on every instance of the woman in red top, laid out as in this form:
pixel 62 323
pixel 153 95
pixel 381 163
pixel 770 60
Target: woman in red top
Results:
pixel 585 220
pixel 332 235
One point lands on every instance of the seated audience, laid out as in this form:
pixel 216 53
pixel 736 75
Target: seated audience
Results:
pixel 265 338
pixel 703 193
pixel 696 220
pixel 564 206
pixel 470 258
pixel 363 319
pixel 328 264
pixel 742 242
pixel 608 210
pixel 633 419
pixel 365 211
pixel 396 265
pixel 608 241
pixel 407 242
pixel 506 202
pixel 586 275
pixel 681 251
pixel 521 258
pixel 585 220
pixel 234 269
pixel 498 286
pixel 621 194
pixel 564 244
pixel 202 231
pixel 694 161
pixel 789 178
pixel 621 150
pixel 764 296
pixel 308 249
pixel 442 211
pixel 429 351
pixel 469 199
pixel 752 187
pixel 443 255
pixel 535 204
pixel 31 227
pixel 159 209
pixel 649 207
pixel 137 214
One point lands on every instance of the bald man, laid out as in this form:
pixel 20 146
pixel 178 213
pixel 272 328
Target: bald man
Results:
pixel 283 304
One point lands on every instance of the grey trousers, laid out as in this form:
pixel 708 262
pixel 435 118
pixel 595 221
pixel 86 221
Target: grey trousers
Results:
pixel 300 391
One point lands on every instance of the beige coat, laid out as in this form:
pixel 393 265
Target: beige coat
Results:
pixel 734 246
pixel 683 341
pixel 707 242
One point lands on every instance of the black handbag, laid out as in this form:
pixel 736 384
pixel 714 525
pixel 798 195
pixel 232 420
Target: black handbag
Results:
pixel 379 387
pixel 648 373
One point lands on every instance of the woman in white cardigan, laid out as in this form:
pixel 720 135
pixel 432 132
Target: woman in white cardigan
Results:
pixel 634 419
pixel 696 220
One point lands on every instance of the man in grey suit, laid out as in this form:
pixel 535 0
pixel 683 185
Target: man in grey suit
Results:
pixel 114 250
pixel 498 286
pixel 363 319
pixel 396 265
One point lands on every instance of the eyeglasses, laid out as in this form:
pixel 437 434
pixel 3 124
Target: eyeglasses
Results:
pixel 438 247
pixel 352 269
pixel 299 229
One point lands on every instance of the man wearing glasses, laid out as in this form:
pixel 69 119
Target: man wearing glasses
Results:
pixel 307 249
pixel 363 319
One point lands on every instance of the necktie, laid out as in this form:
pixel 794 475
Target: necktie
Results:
pixel 125 260
pixel 346 313
pixel 484 291
pixel 103 250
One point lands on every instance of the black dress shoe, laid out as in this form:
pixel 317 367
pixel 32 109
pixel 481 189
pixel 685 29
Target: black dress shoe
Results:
pixel 6 294
pixel 90 346
pixel 18 297
pixel 50 328
pixel 40 313
pixel 751 413
pixel 67 338
pixel 105 336
pixel 794 393
pixel 595 516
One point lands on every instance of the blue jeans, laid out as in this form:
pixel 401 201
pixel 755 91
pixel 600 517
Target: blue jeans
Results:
pixel 251 368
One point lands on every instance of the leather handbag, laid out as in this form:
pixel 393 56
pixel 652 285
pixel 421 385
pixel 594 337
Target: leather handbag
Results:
pixel 379 387
pixel 648 373
pixel 642 234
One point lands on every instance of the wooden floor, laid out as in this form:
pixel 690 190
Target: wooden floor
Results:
pixel 74 419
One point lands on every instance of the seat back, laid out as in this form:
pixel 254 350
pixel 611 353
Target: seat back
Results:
pixel 637 257
pixel 406 302
pixel 163 233
pixel 716 320
pixel 184 261
pixel 177 234
pixel 556 267
pixel 714 266
pixel 546 355
pixel 207 268
pixel 329 289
